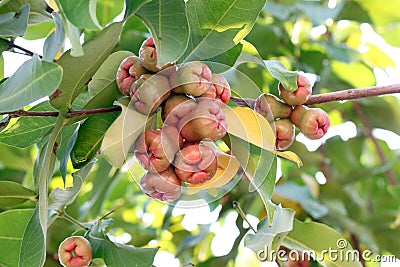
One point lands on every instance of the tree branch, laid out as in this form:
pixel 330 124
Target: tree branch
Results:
pixel 368 132
pixel 76 113
pixel 349 94
pixel 245 102
pixel 13 45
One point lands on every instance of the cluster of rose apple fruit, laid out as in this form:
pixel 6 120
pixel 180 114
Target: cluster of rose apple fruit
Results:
pixel 191 97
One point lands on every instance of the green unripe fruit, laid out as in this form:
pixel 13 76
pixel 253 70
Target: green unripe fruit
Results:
pixel 271 107
pixel 300 95
pixel 205 121
pixel 148 92
pixel 192 78
pixel 164 186
pixel 155 149
pixel 284 132
pixel 195 164
pixel 175 108
pixel 312 122
pixel 128 72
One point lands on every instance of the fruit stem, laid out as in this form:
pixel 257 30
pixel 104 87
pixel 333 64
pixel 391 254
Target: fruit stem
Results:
pixel 236 206
pixel 69 218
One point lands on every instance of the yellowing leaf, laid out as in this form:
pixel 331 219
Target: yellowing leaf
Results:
pixel 227 168
pixel 290 156
pixel 122 134
pixel 250 126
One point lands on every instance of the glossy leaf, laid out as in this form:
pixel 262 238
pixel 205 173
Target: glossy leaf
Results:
pixel 82 14
pixel 68 139
pixel 302 195
pixel 37 12
pixel 61 198
pixel 250 126
pixel 122 134
pixel 226 60
pixel 167 22
pixel 270 237
pixel 287 78
pixel 317 237
pixel 259 166
pixel 56 39
pixel 106 73
pixel 11 234
pixel 378 107
pixel 12 194
pixel 33 247
pixel 33 80
pixel 218 26
pixel 73 34
pixel 90 137
pixel 29 130
pixel 78 70
pixel 106 10
pixel 249 54
pixel 131 6
pixel 13 24
pixel 357 74
pixel 115 254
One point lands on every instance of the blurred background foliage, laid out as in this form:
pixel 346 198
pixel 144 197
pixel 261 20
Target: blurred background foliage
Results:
pixel 348 180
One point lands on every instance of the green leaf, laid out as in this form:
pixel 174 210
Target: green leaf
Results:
pixel 122 133
pixel 12 24
pixel 107 10
pixel 269 237
pixel 90 136
pixel 68 139
pixel 29 130
pixel 132 6
pixel 260 167
pixel 167 22
pixel 377 108
pixel 115 254
pixel 226 60
pixel 106 74
pixel 33 80
pixel 103 184
pixel 39 31
pixel 249 54
pixel 37 13
pixel 317 238
pixel 44 171
pixel 287 78
pixel 319 14
pixel 56 39
pixel 33 247
pixel 357 74
pixel 73 34
pixel 12 194
pixel 217 26
pixel 82 14
pixel 78 70
pixel 302 195
pixel 59 198
pixel 11 234
pixel 382 15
